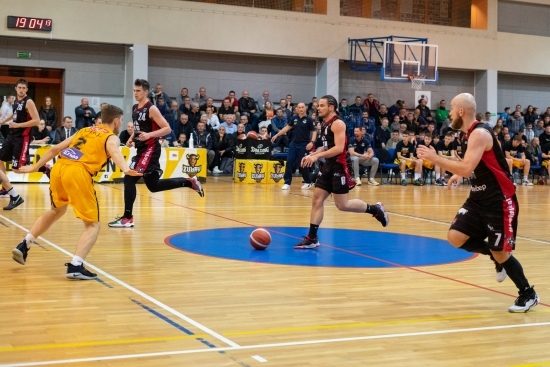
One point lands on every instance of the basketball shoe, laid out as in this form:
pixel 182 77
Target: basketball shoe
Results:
pixel 79 272
pixel 14 202
pixel 122 222
pixel 501 272
pixel 20 253
pixel 307 243
pixel 196 186
pixel 381 214
pixel 527 299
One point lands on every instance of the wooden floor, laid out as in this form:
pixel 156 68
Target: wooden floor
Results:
pixel 158 306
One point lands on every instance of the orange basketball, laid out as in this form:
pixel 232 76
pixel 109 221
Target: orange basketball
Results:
pixel 252 135
pixel 260 239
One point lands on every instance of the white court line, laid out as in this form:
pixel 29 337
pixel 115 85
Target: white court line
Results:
pixel 136 291
pixel 276 345
pixel 259 359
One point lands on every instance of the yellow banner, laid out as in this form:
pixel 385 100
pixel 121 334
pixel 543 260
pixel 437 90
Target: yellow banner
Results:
pixel 257 171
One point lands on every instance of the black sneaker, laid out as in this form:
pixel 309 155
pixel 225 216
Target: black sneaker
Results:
pixel 381 214
pixel 527 299
pixel 19 253
pixel 14 202
pixel 79 272
pixel 307 243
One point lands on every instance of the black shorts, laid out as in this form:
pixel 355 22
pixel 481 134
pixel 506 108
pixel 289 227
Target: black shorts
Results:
pixel 147 159
pixel 334 178
pixel 16 150
pixel 496 220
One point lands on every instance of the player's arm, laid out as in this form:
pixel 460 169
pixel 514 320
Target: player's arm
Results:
pixel 112 146
pixel 48 156
pixel 165 129
pixel 35 118
pixel 311 143
pixel 339 130
pixel 283 131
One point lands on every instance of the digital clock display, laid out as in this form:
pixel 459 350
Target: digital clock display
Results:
pixel 36 24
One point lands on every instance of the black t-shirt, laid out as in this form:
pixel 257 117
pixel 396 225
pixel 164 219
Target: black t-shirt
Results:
pixel 407 151
pixel 36 134
pixel 223 111
pixel 515 152
pixel 360 146
pixel 445 149
pixel 302 128
pixel 546 150
pixel 214 109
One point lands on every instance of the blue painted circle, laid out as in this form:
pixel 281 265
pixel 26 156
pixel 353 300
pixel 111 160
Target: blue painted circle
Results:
pixel 339 247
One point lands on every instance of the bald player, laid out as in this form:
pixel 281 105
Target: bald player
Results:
pixel 491 210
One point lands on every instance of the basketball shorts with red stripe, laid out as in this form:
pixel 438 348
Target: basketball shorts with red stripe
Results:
pixel 16 150
pixel 334 178
pixel 147 158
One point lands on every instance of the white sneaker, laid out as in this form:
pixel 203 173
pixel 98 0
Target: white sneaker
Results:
pixel 527 183
pixel 358 181
pixel 307 186
pixel 285 187
pixel 216 170
pixel 372 182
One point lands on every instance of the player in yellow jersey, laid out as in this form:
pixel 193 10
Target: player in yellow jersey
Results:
pixel 81 156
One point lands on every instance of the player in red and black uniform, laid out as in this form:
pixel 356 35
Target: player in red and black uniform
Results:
pixel 149 125
pixel 491 211
pixel 334 176
pixel 16 145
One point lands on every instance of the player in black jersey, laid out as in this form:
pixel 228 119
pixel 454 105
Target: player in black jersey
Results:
pixel 491 211
pixel 16 146
pixel 149 126
pixel 334 176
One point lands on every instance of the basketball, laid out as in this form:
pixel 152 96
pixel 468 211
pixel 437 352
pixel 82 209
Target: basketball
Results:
pixel 252 135
pixel 242 136
pixel 263 137
pixel 260 239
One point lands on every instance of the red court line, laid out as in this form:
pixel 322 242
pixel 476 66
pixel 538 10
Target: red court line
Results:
pixel 342 249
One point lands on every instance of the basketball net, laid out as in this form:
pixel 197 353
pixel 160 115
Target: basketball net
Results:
pixel 417 81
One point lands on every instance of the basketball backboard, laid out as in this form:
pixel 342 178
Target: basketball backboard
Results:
pixel 402 59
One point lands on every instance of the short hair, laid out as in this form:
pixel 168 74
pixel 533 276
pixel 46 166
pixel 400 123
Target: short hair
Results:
pixel 278 109
pixel 22 81
pixel 231 91
pixel 357 97
pixel 395 131
pixel 408 132
pixel 110 112
pixel 442 101
pixel 487 112
pixel 142 83
pixel 517 138
pixel 383 119
pixel 450 134
pixel 67 117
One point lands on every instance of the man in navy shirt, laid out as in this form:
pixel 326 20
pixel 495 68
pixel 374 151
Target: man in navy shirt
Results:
pixel 303 140
pixel 361 153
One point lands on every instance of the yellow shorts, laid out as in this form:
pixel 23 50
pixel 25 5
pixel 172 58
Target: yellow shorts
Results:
pixel 409 164
pixel 545 163
pixel 428 165
pixel 517 163
pixel 71 184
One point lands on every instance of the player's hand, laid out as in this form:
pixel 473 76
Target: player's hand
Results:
pixel 131 172
pixel 426 153
pixel 26 169
pixel 309 160
pixel 455 179
pixel 144 136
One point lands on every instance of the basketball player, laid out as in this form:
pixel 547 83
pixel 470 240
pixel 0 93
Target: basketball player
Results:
pixel 16 146
pixel 81 156
pixel 492 209
pixel 149 126
pixel 334 176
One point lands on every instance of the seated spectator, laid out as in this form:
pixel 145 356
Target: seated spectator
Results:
pixel 358 107
pixel 431 129
pixel 405 158
pixel 223 148
pixel 200 97
pixel 515 122
pixel 544 138
pixel 532 151
pixel 260 102
pixel 182 141
pixel 204 120
pixel 48 113
pixel 278 122
pixel 396 123
pixel 425 113
pixel 194 115
pixel 402 129
pixel 516 152
pixel 382 134
pixel 161 105
pixel 225 109
pixel 186 105
pixel 247 106
pixel 446 148
pixel 370 125
pixel 531 114
pixel 209 103
pixel 168 140
pixel 244 121
pixel 172 115
pixel 343 108
pixel 125 135
pixel 505 114
pixel 263 134
pixel 287 111
pixel 211 118
pixel 289 103
pixel 392 142
pixel 361 153
pixel 157 94
pixel 65 131
pixel 229 125
pixel 98 121
pixel 395 108
pixel 39 134
pixel 445 127
pixel 427 140
pixel 234 102
pixel 545 161
pixel 267 114
pixel 184 127
pixel 181 97
pixel 538 128
pixel 202 139
pixel 382 113
pixel 240 134
pixel 314 108
pixel 521 134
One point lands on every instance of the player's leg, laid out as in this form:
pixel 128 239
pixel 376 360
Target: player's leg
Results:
pixel 155 184
pixel 526 168
pixel 130 193
pixel 403 169
pixel 8 152
pixel 316 217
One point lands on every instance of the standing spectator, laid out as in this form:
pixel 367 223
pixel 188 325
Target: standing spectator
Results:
pixel 505 114
pixel 260 103
pixel 48 113
pixel 247 106
pixel 382 135
pixel 200 97
pixel 84 114
pixel 185 127
pixel 126 134
pixel 157 94
pixel 441 114
pixel 223 148
pixel 361 153
pixel 39 134
pixel 515 122
pixel 5 111
pixel 202 139
pixel 180 98
pixel 65 131
pixel 303 140
pixel 372 106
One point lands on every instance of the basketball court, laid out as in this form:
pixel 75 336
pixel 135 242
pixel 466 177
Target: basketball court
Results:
pixel 185 287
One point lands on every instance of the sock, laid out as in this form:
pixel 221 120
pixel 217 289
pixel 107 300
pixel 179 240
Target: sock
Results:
pixel 403 176
pixel 187 183
pixel 525 178
pixel 437 176
pixel 13 193
pixel 417 176
pixel 371 209
pixel 29 238
pixel 77 260
pixel 477 246
pixel 127 214
pixel 313 230
pixel 515 272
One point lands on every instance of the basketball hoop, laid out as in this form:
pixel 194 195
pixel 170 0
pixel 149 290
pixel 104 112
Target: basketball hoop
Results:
pixel 417 81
